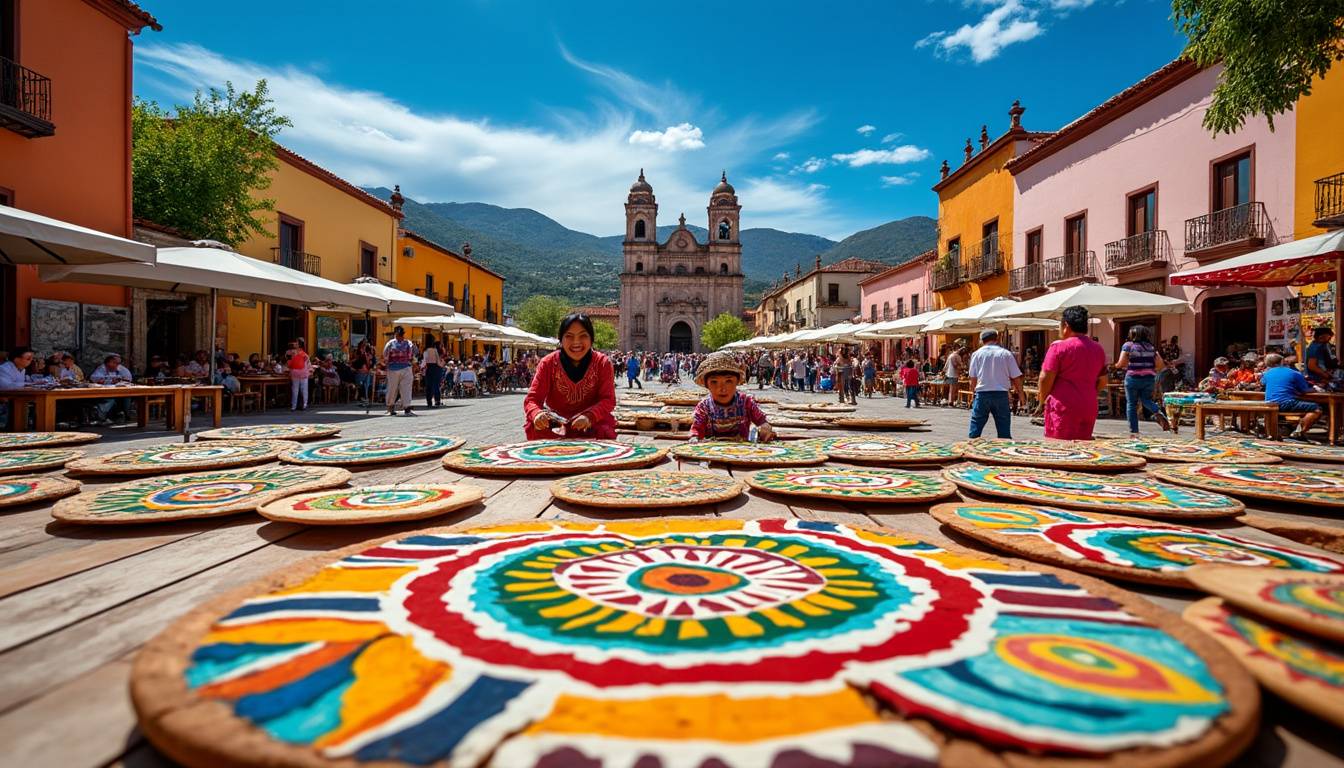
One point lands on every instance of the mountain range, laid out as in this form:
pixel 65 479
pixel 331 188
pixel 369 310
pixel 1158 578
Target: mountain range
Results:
pixel 539 255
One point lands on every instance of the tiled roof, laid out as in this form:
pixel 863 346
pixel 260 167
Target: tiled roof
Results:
pixel 852 265
pixel 602 312
pixel 132 16
pixel 317 171
pixel 926 256
pixel 419 238
pixel 1126 101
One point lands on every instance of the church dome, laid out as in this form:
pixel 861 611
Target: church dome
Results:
pixel 724 187
pixel 641 185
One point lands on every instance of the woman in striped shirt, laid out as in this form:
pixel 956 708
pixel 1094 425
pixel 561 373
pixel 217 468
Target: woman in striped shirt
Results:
pixel 1141 362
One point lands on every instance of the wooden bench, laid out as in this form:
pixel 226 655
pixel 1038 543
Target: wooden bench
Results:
pixel 1246 412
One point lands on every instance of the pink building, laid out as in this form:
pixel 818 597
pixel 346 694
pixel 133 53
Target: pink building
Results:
pixel 899 292
pixel 1137 189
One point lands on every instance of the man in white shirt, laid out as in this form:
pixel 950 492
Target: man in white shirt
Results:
pixel 112 372
pixel 13 372
pixel 993 371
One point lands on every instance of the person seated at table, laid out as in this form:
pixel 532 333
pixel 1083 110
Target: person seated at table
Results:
pixel 576 383
pixel 68 373
pixel 726 413
pixel 1283 384
pixel 1218 379
pixel 224 377
pixel 112 372
pixel 1320 357
pixel 199 366
pixel 14 371
pixel 1245 377
pixel 466 380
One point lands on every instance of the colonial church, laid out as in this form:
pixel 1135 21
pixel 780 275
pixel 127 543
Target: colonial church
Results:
pixel 670 290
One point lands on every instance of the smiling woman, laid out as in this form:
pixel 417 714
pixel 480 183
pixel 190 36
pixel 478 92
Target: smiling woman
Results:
pixel 574 390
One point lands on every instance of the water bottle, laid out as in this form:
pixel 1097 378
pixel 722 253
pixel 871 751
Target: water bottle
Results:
pixel 754 434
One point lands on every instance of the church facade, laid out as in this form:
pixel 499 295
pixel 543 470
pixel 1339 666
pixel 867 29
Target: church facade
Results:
pixel 670 290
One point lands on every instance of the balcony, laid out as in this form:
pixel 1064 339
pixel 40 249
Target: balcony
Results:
pixel 25 101
pixel 1142 251
pixel 1229 232
pixel 431 295
pixel 1027 279
pixel 303 262
pixel 984 259
pixel 491 316
pixel 1330 202
pixel 948 276
pixel 1072 268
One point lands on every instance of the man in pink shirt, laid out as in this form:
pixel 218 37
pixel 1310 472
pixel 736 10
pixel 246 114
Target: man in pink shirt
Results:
pixel 1073 374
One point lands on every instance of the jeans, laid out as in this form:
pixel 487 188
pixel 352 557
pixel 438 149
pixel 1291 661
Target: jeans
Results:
pixel 800 383
pixel 911 395
pixel 122 405
pixel 364 383
pixel 298 392
pixel 994 404
pixel 1138 391
pixel 633 379
pixel 843 385
pixel 433 385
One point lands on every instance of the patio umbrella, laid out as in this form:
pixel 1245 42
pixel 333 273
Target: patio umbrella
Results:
pixel 971 318
pixel 453 322
pixel 901 328
pixel 1100 300
pixel 399 302
pixel 1301 262
pixel 28 238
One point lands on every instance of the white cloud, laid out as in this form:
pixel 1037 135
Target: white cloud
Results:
pixel 676 137
pixel 1010 22
pixel 812 165
pixel 867 129
pixel 907 153
pixel 890 137
pixel 1069 5
pixel 900 181
pixel 478 163
pixel 781 156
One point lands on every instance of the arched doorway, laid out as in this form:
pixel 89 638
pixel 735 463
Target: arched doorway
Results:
pixel 679 338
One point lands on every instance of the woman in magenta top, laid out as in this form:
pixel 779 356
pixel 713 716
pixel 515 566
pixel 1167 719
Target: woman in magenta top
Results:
pixel 576 383
pixel 1072 375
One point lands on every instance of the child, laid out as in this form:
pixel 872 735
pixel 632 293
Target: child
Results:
pixel 910 379
pixel 726 413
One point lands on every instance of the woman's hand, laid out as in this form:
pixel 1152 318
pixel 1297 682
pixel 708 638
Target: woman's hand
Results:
pixel 582 422
pixel 542 421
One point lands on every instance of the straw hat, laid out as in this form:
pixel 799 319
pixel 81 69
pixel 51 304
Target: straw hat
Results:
pixel 719 362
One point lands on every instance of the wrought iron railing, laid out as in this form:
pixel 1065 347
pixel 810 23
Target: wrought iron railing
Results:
pixel 25 100
pixel 1330 201
pixel 983 259
pixel 1146 249
pixel 490 316
pixel 947 276
pixel 303 262
pixel 1026 278
pixel 428 294
pixel 1081 266
pixel 1245 222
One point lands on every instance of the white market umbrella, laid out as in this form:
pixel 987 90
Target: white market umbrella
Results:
pixel 400 302
pixel 1100 300
pixel 902 328
pixel 29 238
pixel 452 322
pixel 969 319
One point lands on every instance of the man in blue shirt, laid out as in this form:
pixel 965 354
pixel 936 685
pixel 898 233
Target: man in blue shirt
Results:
pixel 1321 363
pixel 632 371
pixel 1282 385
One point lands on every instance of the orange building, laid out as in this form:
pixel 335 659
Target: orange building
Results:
pixel 65 152
pixel 429 269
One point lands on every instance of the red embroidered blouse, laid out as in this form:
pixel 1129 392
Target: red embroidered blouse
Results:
pixel 594 395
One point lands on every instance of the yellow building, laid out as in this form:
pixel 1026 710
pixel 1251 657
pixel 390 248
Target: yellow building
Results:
pixel 1319 181
pixel 428 269
pixel 325 226
pixel 823 297
pixel 975 219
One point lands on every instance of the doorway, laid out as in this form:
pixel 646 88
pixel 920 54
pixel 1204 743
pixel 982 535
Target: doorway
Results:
pixel 287 324
pixel 679 339
pixel 170 328
pixel 1033 340
pixel 1231 324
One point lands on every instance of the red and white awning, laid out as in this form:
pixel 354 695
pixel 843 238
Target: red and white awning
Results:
pixel 1301 262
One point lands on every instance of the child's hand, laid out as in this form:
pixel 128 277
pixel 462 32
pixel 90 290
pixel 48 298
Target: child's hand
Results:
pixel 765 432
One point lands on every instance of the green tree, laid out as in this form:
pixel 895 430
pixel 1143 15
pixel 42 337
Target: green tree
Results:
pixel 541 315
pixel 1271 50
pixel 606 335
pixel 724 329
pixel 196 170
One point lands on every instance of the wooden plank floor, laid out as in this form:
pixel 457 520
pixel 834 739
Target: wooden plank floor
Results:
pixel 76 602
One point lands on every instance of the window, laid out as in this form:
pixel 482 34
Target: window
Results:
pixel 723 269
pixel 1034 246
pixel 990 233
pixel 954 247
pixel 900 307
pixel 661 270
pixel 639 228
pixel 9 31
pixel 1232 182
pixel 798 309
pixel 699 270
pixel 833 294
pixel 1075 234
pixel 452 291
pixel 725 230
pixel 368 260
pixel 638 325
pixel 429 285
pixel 681 269
pixel 886 310
pixel 639 266
pixel 488 297
pixel 6 196
pixel 914 303
pixel 1142 214
pixel 872 316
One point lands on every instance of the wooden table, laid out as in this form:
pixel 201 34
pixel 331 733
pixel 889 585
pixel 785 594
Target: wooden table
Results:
pixel 265 381
pixel 1245 411
pixel 45 401
pixel 214 395
pixel 1334 403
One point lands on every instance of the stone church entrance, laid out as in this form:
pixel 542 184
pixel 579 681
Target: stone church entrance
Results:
pixel 679 339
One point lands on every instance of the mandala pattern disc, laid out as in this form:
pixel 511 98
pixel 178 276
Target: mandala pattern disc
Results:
pixel 10 441
pixel 1322 487
pixel 1122 547
pixel 271 432
pixel 1299 668
pixel 1046 454
pixel 844 483
pixel 554 457
pixel 181 457
pixel 646 488
pixel 1306 600
pixel 1298 451
pixel 887 450
pixel 1192 451
pixel 372 504
pixel 756 454
pixel 688 642
pixel 1102 493
pixel 372 450
pixel 819 407
pixel 26 490
pixel 202 494
pixel 32 460
pixel 878 423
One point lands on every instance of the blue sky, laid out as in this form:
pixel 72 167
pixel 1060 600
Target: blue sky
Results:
pixel 829 117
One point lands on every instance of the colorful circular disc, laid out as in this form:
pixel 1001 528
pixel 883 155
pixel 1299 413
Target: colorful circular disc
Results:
pixel 886 450
pixel 1299 451
pixel 12 462
pixel 646 488
pixel 181 457
pixel 372 504
pixel 1102 493
pixel 720 642
pixel 10 441
pixel 201 494
pixel 372 450
pixel 845 483
pixel 1121 547
pixel 756 454
pixel 853 423
pixel 271 432
pixel 1307 600
pixel 1299 668
pixel 554 457
pixel 1192 451
pixel 818 407
pixel 26 490
pixel 1046 454
pixel 1322 487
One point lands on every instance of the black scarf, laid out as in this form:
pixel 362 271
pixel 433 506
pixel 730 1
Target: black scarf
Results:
pixel 574 371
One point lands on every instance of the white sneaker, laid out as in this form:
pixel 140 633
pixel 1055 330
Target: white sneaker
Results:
pixel 105 422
